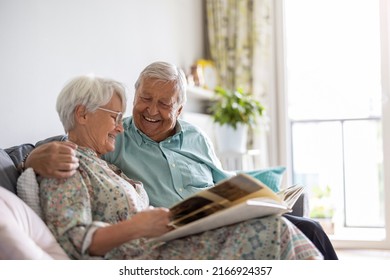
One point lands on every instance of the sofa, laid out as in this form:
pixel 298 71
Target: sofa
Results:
pixel 26 234
pixel 23 234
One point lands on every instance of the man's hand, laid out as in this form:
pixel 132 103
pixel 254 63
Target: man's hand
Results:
pixel 54 159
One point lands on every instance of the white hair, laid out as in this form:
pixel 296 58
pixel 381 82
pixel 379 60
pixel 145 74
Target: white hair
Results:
pixel 165 72
pixel 92 92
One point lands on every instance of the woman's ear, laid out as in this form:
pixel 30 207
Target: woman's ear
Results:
pixel 80 114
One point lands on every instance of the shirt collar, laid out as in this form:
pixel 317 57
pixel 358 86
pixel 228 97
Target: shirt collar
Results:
pixel 139 136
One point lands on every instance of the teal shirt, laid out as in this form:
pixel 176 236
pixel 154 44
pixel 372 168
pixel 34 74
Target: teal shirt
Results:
pixel 171 170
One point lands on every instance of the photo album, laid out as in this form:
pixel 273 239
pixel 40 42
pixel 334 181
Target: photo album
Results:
pixel 233 200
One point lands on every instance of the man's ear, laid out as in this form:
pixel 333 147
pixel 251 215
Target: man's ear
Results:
pixel 80 114
pixel 179 110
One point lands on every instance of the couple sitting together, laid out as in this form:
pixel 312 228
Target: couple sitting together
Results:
pixel 106 190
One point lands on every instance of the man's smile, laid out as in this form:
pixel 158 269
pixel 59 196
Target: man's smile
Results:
pixel 151 120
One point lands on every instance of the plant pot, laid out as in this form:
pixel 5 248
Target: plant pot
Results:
pixel 232 140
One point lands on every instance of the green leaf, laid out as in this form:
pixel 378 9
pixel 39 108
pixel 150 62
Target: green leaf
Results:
pixel 233 107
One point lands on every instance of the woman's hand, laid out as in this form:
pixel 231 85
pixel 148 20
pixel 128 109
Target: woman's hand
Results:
pixel 151 222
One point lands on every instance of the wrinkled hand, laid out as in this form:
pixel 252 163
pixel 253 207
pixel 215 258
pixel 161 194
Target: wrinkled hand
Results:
pixel 152 222
pixel 54 160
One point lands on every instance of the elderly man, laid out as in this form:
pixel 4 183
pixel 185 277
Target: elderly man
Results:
pixel 173 158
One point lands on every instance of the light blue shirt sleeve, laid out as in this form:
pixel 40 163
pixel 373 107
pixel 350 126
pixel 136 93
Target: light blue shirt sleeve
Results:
pixel 170 170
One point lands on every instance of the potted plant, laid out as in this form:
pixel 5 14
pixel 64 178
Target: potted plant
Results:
pixel 234 112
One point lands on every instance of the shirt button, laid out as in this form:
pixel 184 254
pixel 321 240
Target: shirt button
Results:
pixel 180 190
pixel 173 165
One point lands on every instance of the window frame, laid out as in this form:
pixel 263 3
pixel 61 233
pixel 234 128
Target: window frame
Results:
pixel 282 152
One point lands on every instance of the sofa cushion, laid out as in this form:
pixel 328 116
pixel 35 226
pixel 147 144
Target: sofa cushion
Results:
pixel 28 190
pixel 272 176
pixel 62 137
pixel 10 158
pixel 8 172
pixel 18 153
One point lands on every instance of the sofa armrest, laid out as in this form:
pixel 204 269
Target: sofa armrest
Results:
pixel 301 207
pixel 10 158
pixel 18 153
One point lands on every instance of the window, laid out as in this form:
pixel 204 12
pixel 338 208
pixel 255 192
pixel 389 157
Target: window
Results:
pixel 334 57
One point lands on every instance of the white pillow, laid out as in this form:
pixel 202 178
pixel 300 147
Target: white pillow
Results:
pixel 23 234
pixel 28 190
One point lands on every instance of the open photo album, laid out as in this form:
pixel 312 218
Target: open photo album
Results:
pixel 233 200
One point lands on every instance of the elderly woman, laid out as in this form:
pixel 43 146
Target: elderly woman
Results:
pixel 100 213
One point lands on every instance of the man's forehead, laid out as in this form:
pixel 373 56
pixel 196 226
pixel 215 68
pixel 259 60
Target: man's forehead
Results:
pixel 166 88
pixel 154 82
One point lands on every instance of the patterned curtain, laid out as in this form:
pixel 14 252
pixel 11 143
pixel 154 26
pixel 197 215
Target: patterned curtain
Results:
pixel 238 37
pixel 239 43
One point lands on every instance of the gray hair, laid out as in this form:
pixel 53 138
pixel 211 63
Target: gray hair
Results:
pixel 165 72
pixel 92 92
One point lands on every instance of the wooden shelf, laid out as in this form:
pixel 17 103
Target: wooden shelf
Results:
pixel 199 93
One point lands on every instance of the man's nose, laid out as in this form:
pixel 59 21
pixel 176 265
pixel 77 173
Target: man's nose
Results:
pixel 152 109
